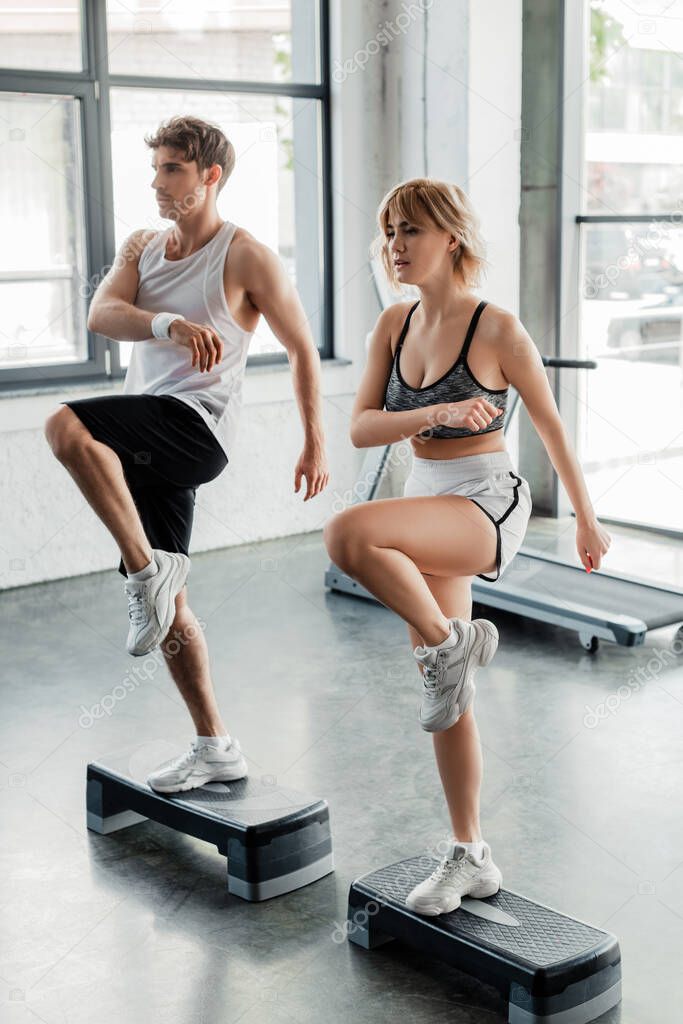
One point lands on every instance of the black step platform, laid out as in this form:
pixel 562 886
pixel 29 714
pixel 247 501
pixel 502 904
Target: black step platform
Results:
pixel 551 968
pixel 275 839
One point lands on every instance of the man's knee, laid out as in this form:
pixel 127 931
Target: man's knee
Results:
pixel 64 432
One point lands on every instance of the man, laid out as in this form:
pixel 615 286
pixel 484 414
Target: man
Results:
pixel 190 298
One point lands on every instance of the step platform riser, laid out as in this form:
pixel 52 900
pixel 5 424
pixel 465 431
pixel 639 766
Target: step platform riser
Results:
pixel 275 839
pixel 551 968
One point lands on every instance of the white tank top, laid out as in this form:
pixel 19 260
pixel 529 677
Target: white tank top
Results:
pixel 192 286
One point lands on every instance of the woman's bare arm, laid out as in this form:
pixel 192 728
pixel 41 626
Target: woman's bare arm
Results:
pixel 371 426
pixel 523 367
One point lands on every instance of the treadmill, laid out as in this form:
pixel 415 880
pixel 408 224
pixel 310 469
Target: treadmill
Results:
pixel 597 605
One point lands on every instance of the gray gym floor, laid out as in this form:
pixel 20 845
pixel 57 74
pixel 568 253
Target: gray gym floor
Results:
pixel 321 690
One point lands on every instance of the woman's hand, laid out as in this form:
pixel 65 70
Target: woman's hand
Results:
pixel 473 413
pixel 592 542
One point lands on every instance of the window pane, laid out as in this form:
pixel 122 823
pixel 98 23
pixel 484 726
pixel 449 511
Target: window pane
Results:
pixel 43 35
pixel 632 187
pixel 274 191
pixel 251 40
pixel 43 276
pixel 634 140
pixel 630 439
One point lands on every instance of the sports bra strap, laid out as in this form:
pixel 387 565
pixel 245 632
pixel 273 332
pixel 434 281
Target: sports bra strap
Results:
pixel 404 329
pixel 472 328
pixel 468 337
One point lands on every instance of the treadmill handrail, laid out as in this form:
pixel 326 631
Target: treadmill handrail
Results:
pixel 577 364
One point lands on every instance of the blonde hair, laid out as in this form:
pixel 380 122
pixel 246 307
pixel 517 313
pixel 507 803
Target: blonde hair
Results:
pixel 424 200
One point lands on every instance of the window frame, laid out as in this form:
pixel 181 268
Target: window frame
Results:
pixel 91 87
pixel 573 114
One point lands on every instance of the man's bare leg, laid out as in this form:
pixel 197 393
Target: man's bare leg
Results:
pixel 187 657
pixel 99 475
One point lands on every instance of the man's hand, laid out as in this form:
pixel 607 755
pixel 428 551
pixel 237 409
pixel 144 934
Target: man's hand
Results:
pixel 201 339
pixel 313 465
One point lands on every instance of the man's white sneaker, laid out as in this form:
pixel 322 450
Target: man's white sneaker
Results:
pixel 200 764
pixel 447 679
pixel 151 602
pixel 458 874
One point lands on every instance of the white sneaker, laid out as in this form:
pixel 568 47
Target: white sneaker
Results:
pixel 201 763
pixel 458 874
pixel 151 602
pixel 447 680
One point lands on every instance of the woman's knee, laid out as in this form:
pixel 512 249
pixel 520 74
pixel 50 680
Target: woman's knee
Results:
pixel 342 540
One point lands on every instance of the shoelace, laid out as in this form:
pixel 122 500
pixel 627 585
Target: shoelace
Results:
pixel 447 869
pixel 136 607
pixel 430 682
pixel 189 757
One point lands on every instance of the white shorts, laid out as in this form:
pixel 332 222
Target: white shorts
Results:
pixel 491 482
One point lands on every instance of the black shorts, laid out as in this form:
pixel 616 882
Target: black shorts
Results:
pixel 167 451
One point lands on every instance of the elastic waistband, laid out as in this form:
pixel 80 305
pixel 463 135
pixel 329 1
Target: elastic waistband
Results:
pixel 488 460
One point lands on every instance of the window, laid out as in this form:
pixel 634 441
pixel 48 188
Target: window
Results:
pixel 273 192
pixel 43 35
pixel 42 263
pixel 630 427
pixel 76 172
pixel 242 39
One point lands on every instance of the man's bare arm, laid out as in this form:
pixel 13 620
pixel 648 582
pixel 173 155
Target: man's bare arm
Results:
pixel 112 311
pixel 271 292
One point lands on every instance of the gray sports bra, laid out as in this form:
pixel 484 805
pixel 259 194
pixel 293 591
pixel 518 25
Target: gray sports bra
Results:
pixel 456 385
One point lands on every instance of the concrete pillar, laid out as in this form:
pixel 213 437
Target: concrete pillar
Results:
pixel 540 217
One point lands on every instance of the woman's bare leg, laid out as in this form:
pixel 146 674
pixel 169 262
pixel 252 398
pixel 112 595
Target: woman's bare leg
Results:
pixel 418 556
pixel 458 749
pixel 388 544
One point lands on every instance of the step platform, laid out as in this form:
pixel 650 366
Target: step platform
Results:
pixel 275 839
pixel 552 969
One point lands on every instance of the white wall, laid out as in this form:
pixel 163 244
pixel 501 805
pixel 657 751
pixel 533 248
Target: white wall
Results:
pixel 383 129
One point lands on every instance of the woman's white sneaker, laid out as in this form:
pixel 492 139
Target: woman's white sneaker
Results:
pixel 151 602
pixel 200 764
pixel 458 874
pixel 447 679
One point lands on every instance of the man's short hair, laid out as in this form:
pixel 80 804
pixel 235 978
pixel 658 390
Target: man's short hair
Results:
pixel 196 140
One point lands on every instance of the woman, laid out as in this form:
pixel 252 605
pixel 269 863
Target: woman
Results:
pixel 465 510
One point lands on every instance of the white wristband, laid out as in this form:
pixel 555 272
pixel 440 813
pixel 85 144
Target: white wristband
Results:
pixel 161 323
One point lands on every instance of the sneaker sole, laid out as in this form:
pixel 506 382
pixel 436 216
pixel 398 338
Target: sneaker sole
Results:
pixel 487 640
pixel 484 890
pixel 479 892
pixel 431 911
pixel 169 613
pixel 183 787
